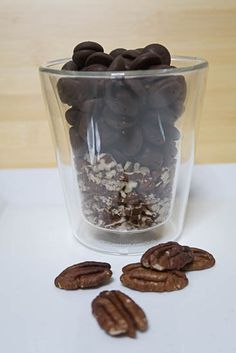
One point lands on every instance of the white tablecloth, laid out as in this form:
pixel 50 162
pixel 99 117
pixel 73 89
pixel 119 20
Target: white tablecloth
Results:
pixel 36 244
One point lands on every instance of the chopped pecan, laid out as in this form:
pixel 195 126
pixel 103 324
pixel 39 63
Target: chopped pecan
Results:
pixel 167 256
pixel 201 260
pixel 84 275
pixel 137 277
pixel 118 314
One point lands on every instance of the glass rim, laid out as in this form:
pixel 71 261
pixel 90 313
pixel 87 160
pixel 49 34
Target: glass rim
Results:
pixel 199 64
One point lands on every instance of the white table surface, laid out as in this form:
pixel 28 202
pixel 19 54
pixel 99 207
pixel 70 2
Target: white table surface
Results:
pixel 36 244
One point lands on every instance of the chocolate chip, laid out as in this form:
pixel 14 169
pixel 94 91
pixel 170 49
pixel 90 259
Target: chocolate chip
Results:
pixel 91 106
pixel 90 114
pixel 166 115
pixel 171 113
pixel 73 116
pixel 96 134
pixel 151 116
pixel 74 91
pixel 118 121
pixel 119 99
pixel 150 157
pixel 95 67
pixel 77 144
pixel 79 57
pixel 89 45
pixel 70 66
pixel 161 67
pixel 169 150
pixel 118 64
pixel 83 126
pixel 144 61
pixel 106 134
pixel 116 52
pixel 161 51
pixel 166 91
pixel 131 141
pixel 171 132
pixel 131 54
pixel 99 58
pixel 118 155
pixel 71 91
pixel 137 87
pixel 127 63
pixel 154 133
pixel 182 87
pixel 177 108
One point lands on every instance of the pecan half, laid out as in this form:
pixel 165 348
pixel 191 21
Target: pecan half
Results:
pixel 84 275
pixel 167 256
pixel 118 314
pixel 137 277
pixel 201 260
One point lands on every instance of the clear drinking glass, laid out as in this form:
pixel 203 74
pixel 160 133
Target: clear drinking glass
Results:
pixel 124 144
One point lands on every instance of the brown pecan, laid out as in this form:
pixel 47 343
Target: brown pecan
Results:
pixel 167 256
pixel 84 275
pixel 118 314
pixel 137 277
pixel 201 260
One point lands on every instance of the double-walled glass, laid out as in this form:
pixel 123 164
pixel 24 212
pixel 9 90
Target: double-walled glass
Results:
pixel 125 149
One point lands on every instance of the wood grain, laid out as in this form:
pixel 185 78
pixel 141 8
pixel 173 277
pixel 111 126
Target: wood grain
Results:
pixel 32 32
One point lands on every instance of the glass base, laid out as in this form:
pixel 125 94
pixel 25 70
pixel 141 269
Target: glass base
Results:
pixel 125 243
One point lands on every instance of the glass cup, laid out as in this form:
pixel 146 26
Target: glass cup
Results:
pixel 124 145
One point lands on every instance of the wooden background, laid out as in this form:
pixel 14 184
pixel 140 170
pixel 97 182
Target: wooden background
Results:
pixel 32 32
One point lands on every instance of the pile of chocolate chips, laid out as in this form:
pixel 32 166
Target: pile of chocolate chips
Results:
pixel 122 133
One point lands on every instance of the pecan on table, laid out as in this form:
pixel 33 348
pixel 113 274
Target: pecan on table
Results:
pixel 167 256
pixel 201 260
pixel 118 314
pixel 84 275
pixel 142 279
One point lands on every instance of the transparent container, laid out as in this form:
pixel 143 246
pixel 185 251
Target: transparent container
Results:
pixel 124 144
